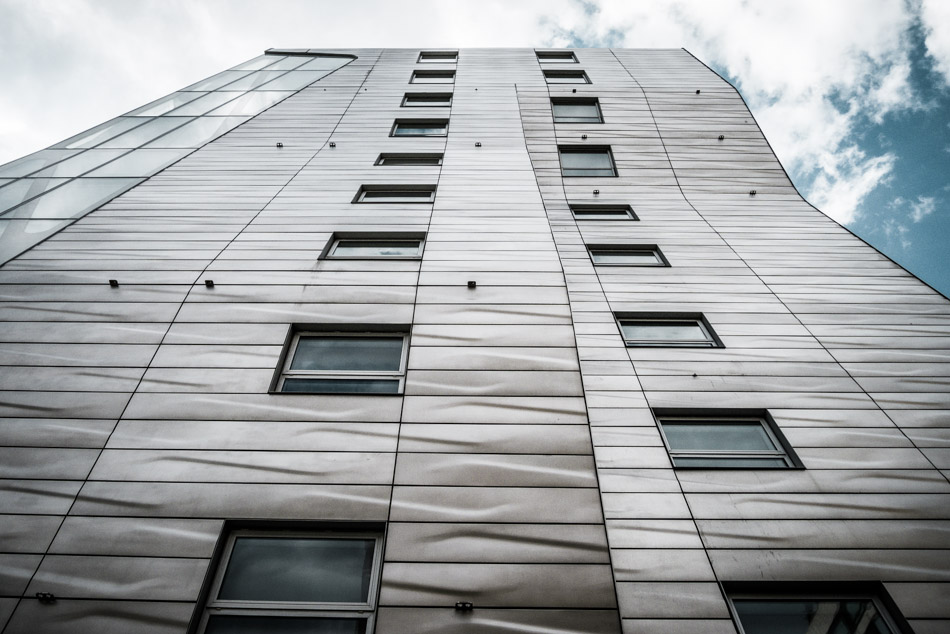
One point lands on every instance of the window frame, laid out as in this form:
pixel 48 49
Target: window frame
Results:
pixel 418 76
pixel 438 57
pixel 424 97
pixel 782 449
pixel 711 341
pixel 209 605
pixel 657 253
pixel 593 208
pixel 567 101
pixel 422 122
pixel 361 331
pixel 559 73
pixel 556 57
pixel 373 236
pixel 360 197
pixel 586 149
pixel 384 158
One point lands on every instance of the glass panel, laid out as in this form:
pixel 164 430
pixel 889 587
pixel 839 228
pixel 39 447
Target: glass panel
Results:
pixel 348 354
pixel 565 78
pixel 436 56
pixel 33 162
pixel 849 616
pixel 73 199
pixel 580 113
pixel 726 462
pixel 433 78
pixel 216 81
pixel 140 163
pixel 586 160
pixel 258 62
pixel 102 132
pixel 251 103
pixel 289 63
pixel 312 570
pixel 602 214
pixel 198 132
pixel 416 129
pixel 16 236
pixel 145 133
pixel 231 624
pixel 295 80
pixel 726 436
pixel 396 196
pixel 376 248
pixel 81 163
pixel 411 160
pixel 204 104
pixel 165 104
pixel 16 192
pixel 341 386
pixel 557 57
pixel 252 81
pixel 619 256
pixel 324 63
pixel 428 100
pixel 663 331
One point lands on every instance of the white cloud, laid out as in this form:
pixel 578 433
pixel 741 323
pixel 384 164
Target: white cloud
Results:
pixel 923 207
pixel 935 19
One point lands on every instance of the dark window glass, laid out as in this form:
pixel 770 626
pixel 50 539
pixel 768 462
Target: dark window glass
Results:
pixel 341 386
pixel 586 162
pixel 439 56
pixel 433 77
pixel 817 616
pixel 347 354
pixel 428 99
pixel 603 212
pixel 576 111
pixel 227 624
pixel 626 256
pixel 647 331
pixel 557 56
pixel 396 194
pixel 566 77
pixel 421 128
pixel 409 159
pixel 723 442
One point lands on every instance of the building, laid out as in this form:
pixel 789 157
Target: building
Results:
pixel 480 341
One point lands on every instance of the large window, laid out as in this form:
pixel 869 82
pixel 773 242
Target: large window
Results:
pixel 395 194
pixel 409 158
pixel 344 362
pixel 439 57
pixel 433 77
pixel 557 57
pixel 299 583
pixel 570 110
pixel 426 99
pixel 603 212
pixel 681 330
pixel 347 245
pixel 626 255
pixel 566 77
pixel 586 160
pixel 420 127
pixel 724 440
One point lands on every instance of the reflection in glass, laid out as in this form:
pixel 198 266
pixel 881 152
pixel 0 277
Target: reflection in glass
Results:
pixel 73 199
pixel 603 213
pixel 81 163
pixel 202 105
pixel 397 196
pixel 325 63
pixel 231 624
pixel 725 436
pixel 587 163
pixel 251 103
pixel 312 570
pixel 33 162
pixel 433 77
pixel 729 462
pixel 376 248
pixel 17 191
pixel 216 81
pixel 661 332
pixel 258 62
pixel 421 128
pixel 198 132
pixel 817 616
pixel 565 77
pixel 253 80
pixel 100 133
pixel 16 236
pixel 576 112
pixel 289 63
pixel 140 163
pixel 295 80
pixel 145 133
pixel 341 386
pixel 165 104
pixel 633 257
pixel 348 354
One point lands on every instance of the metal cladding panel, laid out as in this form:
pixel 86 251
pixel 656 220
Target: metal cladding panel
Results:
pixel 521 466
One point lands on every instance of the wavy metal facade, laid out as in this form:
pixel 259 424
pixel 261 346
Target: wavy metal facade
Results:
pixel 522 467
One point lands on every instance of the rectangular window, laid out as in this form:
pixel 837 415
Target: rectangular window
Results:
pixel 426 99
pixel 374 245
pixel 603 212
pixel 420 127
pixel 567 110
pixel 667 330
pixel 728 440
pixel 626 255
pixel 283 581
pixel 566 77
pixel 409 159
pixel 395 194
pixel 441 57
pixel 433 77
pixel 344 363
pixel 558 57
pixel 585 160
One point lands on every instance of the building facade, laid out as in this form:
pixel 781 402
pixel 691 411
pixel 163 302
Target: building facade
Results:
pixel 490 340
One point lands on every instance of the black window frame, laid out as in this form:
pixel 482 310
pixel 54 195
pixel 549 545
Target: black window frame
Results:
pixel 714 416
pixel 586 149
pixel 438 57
pixel 579 101
pixel 556 57
pixel 444 122
pixel 416 159
pixel 661 260
pixel 422 100
pixel 629 213
pixel 559 73
pixel 360 197
pixel 373 236
pixel 712 340
pixel 421 74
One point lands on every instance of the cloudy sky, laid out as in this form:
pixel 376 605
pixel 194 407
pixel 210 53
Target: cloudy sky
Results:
pixel 854 95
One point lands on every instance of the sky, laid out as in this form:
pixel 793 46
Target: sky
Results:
pixel 853 95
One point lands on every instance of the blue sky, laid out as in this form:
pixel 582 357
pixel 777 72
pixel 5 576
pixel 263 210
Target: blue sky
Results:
pixel 853 95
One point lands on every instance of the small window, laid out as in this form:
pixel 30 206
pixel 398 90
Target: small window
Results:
pixel 420 127
pixel 433 77
pixel 736 440
pixel 626 255
pixel 566 77
pixel 395 194
pixel 344 363
pixel 426 99
pixel 603 212
pixel 441 57
pixel 667 330
pixel 803 610
pixel 576 111
pixel 282 581
pixel 374 246
pixel 584 160
pixel 409 159
pixel 559 57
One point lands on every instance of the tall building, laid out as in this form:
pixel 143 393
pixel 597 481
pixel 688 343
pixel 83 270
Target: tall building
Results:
pixel 488 341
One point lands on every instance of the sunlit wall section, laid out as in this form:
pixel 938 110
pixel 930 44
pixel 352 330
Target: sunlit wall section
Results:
pixel 45 191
